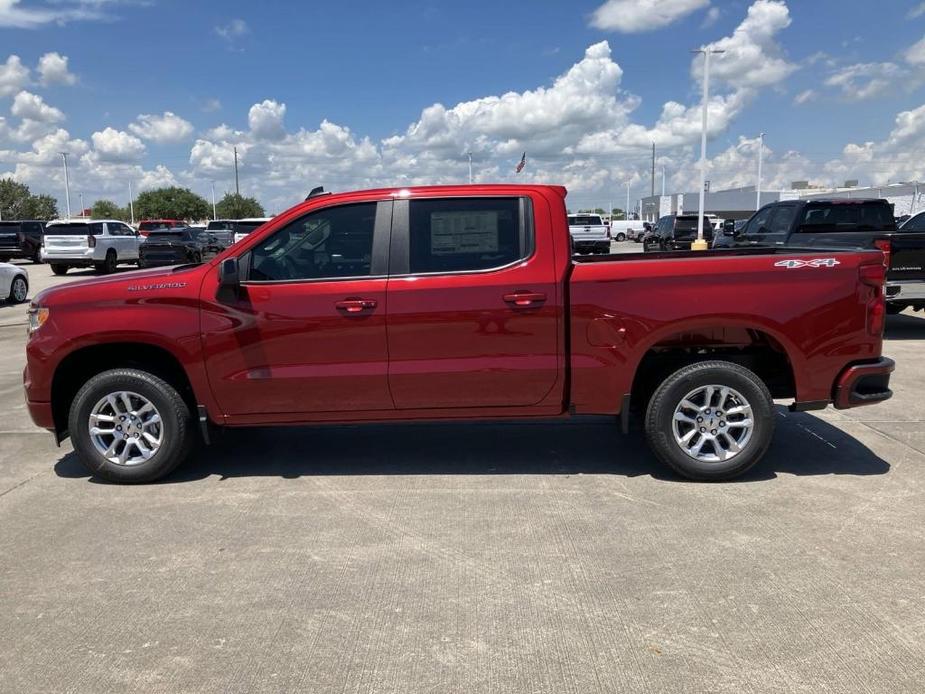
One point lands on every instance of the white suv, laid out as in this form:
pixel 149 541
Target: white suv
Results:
pixel 589 234
pixel 98 243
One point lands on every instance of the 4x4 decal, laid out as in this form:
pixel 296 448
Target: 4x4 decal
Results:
pixel 815 262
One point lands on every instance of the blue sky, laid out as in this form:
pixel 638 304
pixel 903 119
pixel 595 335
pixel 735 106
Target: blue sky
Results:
pixel 816 75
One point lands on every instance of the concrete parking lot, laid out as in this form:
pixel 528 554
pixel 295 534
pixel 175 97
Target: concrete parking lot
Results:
pixel 514 557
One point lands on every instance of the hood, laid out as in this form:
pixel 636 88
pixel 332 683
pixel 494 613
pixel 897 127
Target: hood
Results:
pixel 137 283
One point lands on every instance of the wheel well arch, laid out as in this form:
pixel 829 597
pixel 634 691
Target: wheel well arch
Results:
pixel 753 348
pixel 84 363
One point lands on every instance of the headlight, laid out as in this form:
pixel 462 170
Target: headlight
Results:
pixel 37 317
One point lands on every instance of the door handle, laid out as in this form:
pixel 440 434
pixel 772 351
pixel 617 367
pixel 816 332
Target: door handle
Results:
pixel 525 298
pixel 356 305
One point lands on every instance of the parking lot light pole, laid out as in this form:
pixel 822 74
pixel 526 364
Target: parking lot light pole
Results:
pixel 470 167
pixel 67 186
pixel 131 202
pixel 214 213
pixel 700 244
pixel 758 187
pixel 626 210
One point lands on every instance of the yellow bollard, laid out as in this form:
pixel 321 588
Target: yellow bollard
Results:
pixel 699 245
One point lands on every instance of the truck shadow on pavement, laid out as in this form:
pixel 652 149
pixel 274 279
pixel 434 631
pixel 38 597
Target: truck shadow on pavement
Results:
pixel 905 326
pixel 803 445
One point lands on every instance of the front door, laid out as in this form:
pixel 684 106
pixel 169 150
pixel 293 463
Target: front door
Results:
pixel 306 334
pixel 474 306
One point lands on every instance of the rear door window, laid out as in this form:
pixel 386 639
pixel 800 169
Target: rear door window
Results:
pixel 465 234
pixel 780 224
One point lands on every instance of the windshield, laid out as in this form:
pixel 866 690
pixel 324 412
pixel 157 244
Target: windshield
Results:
pixel 73 229
pixel 218 225
pixel 246 227
pixel 690 224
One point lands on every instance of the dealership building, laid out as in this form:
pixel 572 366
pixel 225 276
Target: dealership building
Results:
pixel 741 203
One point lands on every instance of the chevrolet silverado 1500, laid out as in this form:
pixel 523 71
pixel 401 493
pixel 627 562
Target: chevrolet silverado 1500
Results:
pixel 453 303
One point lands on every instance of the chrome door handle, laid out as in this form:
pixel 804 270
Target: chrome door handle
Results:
pixel 524 298
pixel 356 305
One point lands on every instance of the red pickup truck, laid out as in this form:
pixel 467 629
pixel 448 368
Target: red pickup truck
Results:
pixel 455 302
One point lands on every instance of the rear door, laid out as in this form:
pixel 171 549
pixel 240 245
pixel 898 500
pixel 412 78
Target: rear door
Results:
pixel 474 307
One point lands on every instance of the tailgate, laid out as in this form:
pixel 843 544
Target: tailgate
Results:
pixel 907 257
pixel 66 244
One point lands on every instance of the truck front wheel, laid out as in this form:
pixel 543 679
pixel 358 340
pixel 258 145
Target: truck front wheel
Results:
pixel 711 420
pixel 130 426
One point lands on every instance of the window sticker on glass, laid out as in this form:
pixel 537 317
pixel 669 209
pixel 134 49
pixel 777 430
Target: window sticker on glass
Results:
pixel 464 232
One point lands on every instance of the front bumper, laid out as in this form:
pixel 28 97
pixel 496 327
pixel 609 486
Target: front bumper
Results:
pixel 863 384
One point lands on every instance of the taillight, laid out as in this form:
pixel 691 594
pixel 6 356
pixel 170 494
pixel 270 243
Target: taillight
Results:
pixel 887 248
pixel 91 241
pixel 873 276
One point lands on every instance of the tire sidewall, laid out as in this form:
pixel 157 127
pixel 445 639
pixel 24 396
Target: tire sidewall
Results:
pixel 660 418
pixel 13 299
pixel 175 434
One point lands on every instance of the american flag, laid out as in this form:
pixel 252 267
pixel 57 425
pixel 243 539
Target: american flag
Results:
pixel 522 164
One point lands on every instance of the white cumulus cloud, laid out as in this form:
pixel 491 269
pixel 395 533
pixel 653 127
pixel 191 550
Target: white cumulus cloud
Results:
pixel 53 69
pixel 111 145
pixel 634 16
pixel 166 127
pixel 266 120
pixel 13 76
pixel 29 106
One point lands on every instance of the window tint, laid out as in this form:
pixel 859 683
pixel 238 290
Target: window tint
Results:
pixel 760 222
pixel 470 234
pixel 782 220
pixel 875 216
pixel 334 242
pixel 916 223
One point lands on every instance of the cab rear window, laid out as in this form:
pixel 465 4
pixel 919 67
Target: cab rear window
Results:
pixel 584 221
pixel 845 217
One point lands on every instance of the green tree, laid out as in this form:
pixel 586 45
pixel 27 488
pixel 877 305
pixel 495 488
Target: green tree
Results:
pixel 617 213
pixel 107 209
pixel 17 202
pixel 42 207
pixel 234 206
pixel 171 203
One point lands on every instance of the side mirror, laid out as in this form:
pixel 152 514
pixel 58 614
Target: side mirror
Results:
pixel 229 274
pixel 729 229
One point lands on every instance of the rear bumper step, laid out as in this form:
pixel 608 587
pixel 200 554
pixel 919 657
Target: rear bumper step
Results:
pixel 864 384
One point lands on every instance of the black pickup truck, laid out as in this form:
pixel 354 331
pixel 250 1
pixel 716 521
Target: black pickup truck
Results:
pixel 21 239
pixel 843 223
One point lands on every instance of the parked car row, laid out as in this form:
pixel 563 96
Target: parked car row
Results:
pixel 103 244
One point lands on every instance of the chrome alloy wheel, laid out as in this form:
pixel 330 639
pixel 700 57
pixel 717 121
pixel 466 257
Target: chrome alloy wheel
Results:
pixel 20 289
pixel 126 428
pixel 713 424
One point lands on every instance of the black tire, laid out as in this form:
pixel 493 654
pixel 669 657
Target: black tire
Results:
pixel 667 397
pixel 108 266
pixel 19 285
pixel 59 269
pixel 895 309
pixel 178 433
pixel 621 237
pixel 37 256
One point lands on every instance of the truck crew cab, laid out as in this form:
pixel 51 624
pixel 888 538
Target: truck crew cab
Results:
pixel 453 302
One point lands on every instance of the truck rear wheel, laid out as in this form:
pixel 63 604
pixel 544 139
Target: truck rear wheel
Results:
pixel 711 420
pixel 130 426
pixel 59 269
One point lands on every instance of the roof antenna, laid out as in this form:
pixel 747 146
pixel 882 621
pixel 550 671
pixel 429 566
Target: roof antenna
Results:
pixel 315 192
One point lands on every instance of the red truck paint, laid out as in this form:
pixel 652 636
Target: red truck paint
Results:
pixel 543 337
